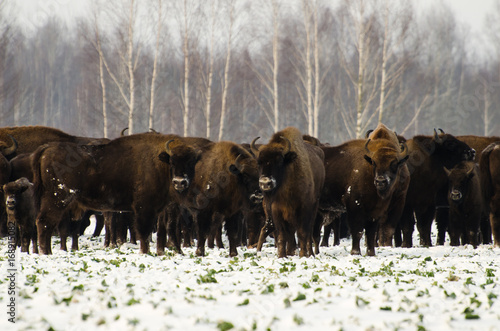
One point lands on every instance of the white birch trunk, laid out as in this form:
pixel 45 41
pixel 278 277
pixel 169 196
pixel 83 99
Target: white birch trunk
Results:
pixel 226 73
pixel 155 63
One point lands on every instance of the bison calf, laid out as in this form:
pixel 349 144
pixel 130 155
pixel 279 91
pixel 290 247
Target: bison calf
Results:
pixel 20 209
pixel 464 198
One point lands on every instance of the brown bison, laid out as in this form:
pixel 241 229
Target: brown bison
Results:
pixel 29 138
pixel 21 212
pixel 214 182
pixel 369 178
pixel 127 174
pixel 291 179
pixel 489 166
pixel 465 201
pixel 428 157
pixel 478 143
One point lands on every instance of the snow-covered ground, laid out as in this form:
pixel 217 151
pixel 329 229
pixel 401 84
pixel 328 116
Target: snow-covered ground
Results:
pixel 438 288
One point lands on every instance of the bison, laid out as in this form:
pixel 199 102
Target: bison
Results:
pixel 214 182
pixel 291 178
pixel 126 174
pixel 428 157
pixel 21 211
pixel 29 138
pixel 369 178
pixel 465 201
pixel 478 143
pixel 489 168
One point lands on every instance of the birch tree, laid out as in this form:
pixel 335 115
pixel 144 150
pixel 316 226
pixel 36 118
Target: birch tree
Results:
pixel 268 73
pixel 231 9
pixel 155 64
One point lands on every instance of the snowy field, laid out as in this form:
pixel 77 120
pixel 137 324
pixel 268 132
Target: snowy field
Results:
pixel 438 288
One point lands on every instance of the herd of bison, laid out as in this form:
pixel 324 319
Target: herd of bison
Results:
pixel 292 187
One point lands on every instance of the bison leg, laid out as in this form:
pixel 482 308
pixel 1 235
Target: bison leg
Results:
pixel 495 219
pixel 407 225
pixel 34 240
pixel 99 224
pixel 45 227
pixel 327 229
pixel 161 235
pixel 266 230
pixel 144 227
pixel 231 227
pixel 203 227
pixel 424 225
pixel 485 229
pixel 371 235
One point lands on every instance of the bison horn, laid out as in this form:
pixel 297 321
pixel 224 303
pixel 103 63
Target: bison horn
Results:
pixel 122 133
pixel 289 145
pixel 437 138
pixel 366 146
pixel 441 130
pixel 367 134
pixel 254 149
pixel 153 130
pixel 237 163
pixel 167 146
pixel 12 149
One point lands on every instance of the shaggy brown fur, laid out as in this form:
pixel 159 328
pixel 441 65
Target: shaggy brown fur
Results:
pixel 296 169
pixel 489 166
pixel 428 156
pixel 466 207
pixel 21 212
pixel 370 179
pixel 123 175
pixel 220 180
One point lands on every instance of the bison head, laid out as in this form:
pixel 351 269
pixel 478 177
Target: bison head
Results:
pixel 386 162
pixel 182 159
pixel 13 190
pixel 459 179
pixel 272 160
pixel 246 170
pixel 450 150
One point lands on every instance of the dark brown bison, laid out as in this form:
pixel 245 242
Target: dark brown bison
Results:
pixel 291 178
pixel 369 178
pixel 489 166
pixel 466 204
pixel 127 174
pixel 30 137
pixel 214 182
pixel 478 143
pixel 428 157
pixel 6 152
pixel 21 212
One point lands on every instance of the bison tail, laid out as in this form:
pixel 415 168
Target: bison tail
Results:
pixel 485 174
pixel 37 174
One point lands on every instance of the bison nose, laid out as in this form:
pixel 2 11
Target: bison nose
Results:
pixel 256 197
pixel 471 154
pixel 455 195
pixel 267 183
pixel 10 202
pixel 180 183
pixel 381 182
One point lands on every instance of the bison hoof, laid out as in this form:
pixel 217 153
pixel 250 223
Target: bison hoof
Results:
pixel 355 252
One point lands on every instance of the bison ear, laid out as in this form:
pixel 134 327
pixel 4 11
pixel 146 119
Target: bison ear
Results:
pixel 164 157
pixel 234 170
pixel 368 159
pixel 290 156
pixel 448 171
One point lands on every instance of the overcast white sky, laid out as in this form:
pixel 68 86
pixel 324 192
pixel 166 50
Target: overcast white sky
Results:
pixel 33 12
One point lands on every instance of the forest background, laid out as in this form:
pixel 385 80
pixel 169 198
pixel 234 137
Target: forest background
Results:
pixel 237 69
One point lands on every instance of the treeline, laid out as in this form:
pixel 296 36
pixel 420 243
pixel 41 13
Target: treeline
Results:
pixel 236 69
